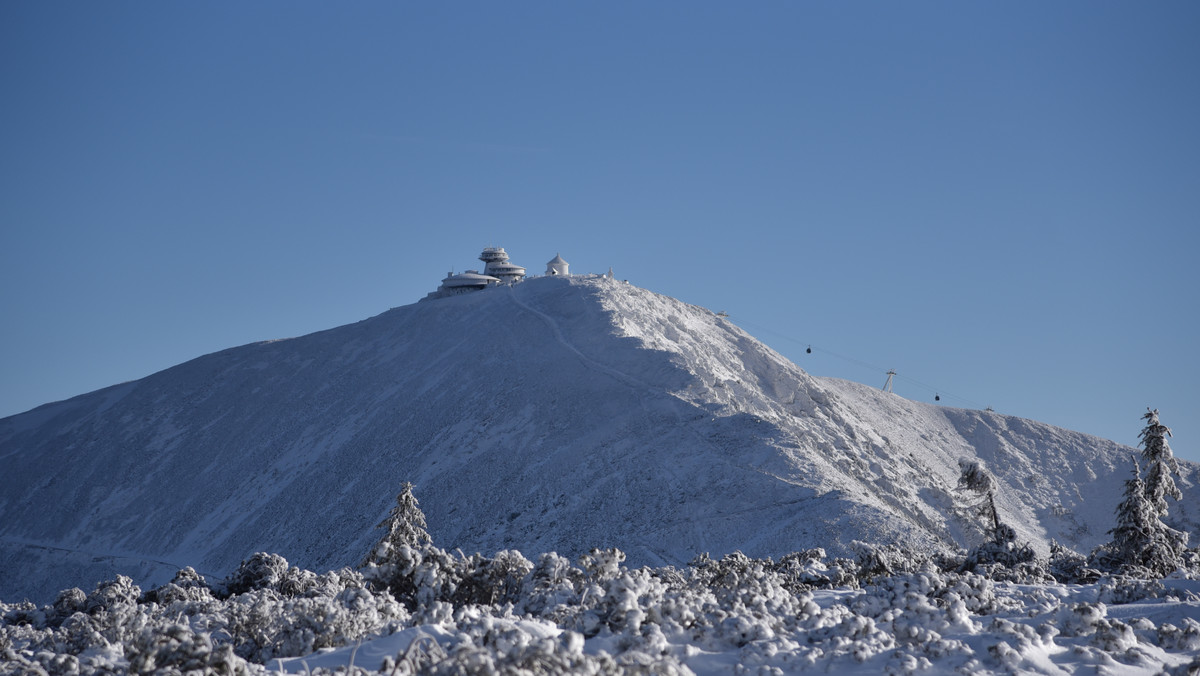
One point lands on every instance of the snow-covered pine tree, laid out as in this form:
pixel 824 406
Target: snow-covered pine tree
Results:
pixel 405 525
pixel 975 478
pixel 1140 539
pixel 1001 547
pixel 1160 463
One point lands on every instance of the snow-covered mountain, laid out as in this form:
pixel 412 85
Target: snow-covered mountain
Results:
pixel 560 414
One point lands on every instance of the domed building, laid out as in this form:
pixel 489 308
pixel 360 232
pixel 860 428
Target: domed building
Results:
pixel 557 266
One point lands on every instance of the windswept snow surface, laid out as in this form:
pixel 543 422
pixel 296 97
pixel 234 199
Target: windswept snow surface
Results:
pixel 560 414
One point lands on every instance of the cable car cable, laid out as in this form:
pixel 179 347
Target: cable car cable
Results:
pixel 810 348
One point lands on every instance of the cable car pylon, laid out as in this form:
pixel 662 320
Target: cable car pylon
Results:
pixel 887 387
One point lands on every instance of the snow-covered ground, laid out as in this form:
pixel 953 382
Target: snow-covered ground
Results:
pixel 509 615
pixel 559 414
pixel 903 626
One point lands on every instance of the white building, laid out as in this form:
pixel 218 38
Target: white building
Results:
pixel 497 270
pixel 557 266
pixel 464 282
pixel 496 265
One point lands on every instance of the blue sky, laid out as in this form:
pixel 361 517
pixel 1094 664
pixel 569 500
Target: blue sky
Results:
pixel 998 200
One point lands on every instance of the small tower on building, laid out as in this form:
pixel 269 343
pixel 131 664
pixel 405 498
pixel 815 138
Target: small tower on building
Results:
pixel 557 266
pixel 495 260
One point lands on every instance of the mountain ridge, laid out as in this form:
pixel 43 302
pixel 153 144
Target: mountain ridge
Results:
pixel 557 414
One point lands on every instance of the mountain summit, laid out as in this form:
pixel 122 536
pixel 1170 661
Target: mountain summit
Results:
pixel 558 414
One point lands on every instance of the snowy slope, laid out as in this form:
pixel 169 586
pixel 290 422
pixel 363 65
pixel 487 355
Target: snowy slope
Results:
pixel 557 415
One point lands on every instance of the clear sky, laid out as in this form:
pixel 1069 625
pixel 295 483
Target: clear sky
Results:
pixel 998 200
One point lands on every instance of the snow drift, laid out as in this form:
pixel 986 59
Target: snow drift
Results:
pixel 560 414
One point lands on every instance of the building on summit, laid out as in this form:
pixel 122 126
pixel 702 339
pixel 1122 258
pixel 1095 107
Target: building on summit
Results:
pixel 497 270
pixel 495 264
pixel 557 266
pixel 463 282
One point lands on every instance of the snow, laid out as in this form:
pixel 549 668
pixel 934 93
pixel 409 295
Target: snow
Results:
pixel 373 652
pixel 733 616
pixel 560 414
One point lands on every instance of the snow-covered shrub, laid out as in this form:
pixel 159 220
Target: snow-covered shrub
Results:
pixel 25 613
pixel 728 572
pixel 333 583
pixel 602 564
pixel 915 610
pixel 112 595
pixel 837 632
pixel 551 584
pixel 1186 637
pixel 260 571
pixel 1080 619
pixel 436 577
pixel 488 646
pixel 1005 655
pixel 188 577
pixel 1189 565
pixel 80 632
pixel 945 600
pixel 67 603
pixel 1122 589
pixel 263 624
pixel 883 560
pixel 505 614
pixel 413 574
pixel 627 598
pixel 807 569
pixel 419 576
pixel 977 593
pixel 1001 548
pixel 949 561
pixel 1029 572
pixel 1003 558
pixel 186 587
pixel 176 649
pixel 621 604
pixel 1022 637
pixel 44 662
pixel 754 590
pixel 1113 636
pixel 1068 566
pixel 497 580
